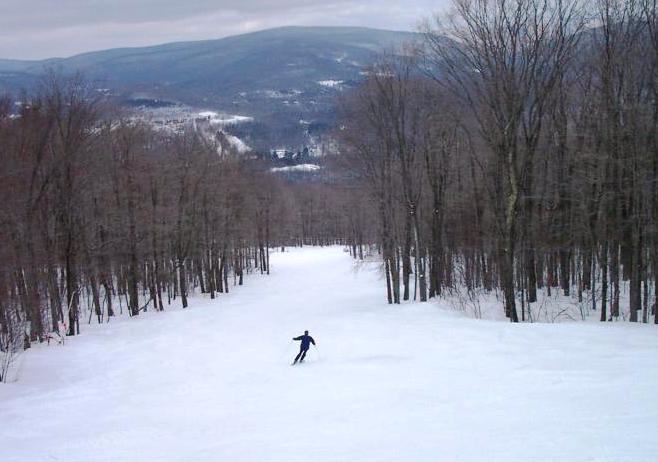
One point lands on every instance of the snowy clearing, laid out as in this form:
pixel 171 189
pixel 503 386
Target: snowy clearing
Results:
pixel 224 119
pixel 387 383
pixel 297 168
pixel 237 143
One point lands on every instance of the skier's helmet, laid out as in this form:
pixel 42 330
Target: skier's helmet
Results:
pixel 305 332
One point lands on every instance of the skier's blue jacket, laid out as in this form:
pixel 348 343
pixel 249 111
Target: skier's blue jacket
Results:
pixel 306 341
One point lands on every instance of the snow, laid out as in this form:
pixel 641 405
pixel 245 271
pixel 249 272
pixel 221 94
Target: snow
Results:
pixel 330 83
pixel 207 114
pixel 237 143
pixel 297 168
pixel 280 94
pixel 223 119
pixel 415 382
pixel 549 308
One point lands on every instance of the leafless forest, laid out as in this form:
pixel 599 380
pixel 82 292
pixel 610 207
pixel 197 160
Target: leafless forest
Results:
pixel 102 215
pixel 514 149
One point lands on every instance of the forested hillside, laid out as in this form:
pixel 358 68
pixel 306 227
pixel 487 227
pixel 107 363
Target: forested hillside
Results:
pixel 321 244
pixel 508 159
pixel 101 214
pixel 517 152
pixel 278 76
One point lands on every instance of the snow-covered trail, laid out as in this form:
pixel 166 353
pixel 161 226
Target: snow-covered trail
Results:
pixel 413 382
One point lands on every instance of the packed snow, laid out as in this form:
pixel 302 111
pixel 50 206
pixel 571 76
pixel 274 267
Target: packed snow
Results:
pixel 414 382
pixel 297 168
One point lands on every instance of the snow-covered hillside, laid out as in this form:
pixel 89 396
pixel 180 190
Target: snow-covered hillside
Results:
pixel 387 383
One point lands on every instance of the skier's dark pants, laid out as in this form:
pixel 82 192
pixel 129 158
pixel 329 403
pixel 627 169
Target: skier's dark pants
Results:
pixel 301 355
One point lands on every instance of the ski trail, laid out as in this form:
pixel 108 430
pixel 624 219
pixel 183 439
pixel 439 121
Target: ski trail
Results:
pixel 214 382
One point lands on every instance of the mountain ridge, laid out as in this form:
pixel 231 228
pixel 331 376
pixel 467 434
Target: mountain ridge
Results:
pixel 29 64
pixel 278 76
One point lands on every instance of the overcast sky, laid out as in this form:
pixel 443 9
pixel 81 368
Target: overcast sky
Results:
pixel 34 29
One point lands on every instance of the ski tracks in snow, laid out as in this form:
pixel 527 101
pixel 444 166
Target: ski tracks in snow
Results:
pixel 387 383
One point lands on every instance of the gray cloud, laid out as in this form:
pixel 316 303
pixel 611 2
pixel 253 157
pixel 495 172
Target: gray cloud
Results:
pixel 33 29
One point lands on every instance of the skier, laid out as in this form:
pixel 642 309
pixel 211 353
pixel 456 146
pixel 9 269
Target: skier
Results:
pixel 303 348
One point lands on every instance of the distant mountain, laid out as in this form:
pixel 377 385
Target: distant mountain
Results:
pixel 278 76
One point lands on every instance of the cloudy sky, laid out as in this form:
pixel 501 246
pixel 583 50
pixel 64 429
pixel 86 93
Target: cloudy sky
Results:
pixel 34 29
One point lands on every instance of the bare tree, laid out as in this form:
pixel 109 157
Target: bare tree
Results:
pixel 505 58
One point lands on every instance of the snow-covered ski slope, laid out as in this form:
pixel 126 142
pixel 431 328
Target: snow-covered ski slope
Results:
pixel 412 382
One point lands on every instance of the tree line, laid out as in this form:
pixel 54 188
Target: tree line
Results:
pixel 100 214
pixel 514 149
